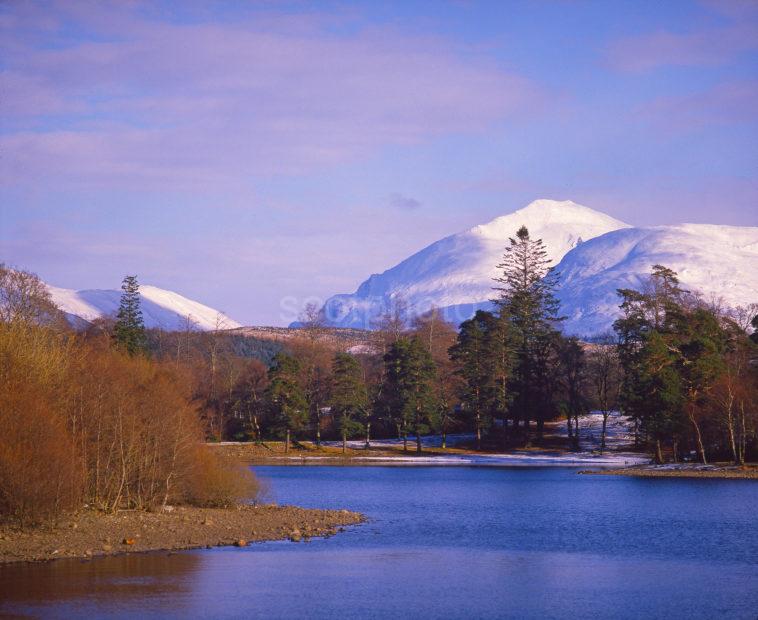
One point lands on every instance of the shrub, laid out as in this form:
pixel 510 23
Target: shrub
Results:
pixel 218 482
pixel 40 472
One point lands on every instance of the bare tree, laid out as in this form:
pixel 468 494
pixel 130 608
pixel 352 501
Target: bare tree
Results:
pixel 25 298
pixel 605 379
pixel 393 323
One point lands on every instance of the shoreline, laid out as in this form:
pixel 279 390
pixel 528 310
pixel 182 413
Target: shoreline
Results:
pixel 722 472
pixel 90 534
pixel 272 453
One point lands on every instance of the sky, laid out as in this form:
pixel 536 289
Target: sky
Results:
pixel 257 156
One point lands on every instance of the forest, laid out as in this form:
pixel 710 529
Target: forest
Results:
pixel 116 415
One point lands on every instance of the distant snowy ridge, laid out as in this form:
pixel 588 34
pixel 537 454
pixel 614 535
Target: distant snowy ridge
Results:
pixel 456 273
pixel 598 255
pixel 718 262
pixel 160 308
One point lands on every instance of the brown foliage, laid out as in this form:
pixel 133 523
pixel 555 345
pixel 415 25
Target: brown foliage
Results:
pixel 39 472
pixel 215 481
pixel 85 423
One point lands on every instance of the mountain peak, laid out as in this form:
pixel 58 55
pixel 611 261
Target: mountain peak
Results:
pixel 458 270
pixel 553 214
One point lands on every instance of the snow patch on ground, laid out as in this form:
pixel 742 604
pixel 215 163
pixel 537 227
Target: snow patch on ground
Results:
pixel 618 438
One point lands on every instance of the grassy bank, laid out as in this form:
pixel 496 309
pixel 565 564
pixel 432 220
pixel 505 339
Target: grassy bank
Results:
pixel 90 533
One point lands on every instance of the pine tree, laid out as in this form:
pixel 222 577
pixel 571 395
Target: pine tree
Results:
pixel 472 354
pixel 129 331
pixel 438 336
pixel 407 390
pixel 500 348
pixel 659 392
pixel 348 398
pixel 289 409
pixel 649 331
pixel 701 348
pixel 528 301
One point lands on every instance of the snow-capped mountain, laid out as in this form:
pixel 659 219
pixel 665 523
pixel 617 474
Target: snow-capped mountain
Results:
pixel 598 254
pixel 715 261
pixel 160 308
pixel 456 273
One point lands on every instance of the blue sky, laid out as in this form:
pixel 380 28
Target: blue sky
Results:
pixel 252 154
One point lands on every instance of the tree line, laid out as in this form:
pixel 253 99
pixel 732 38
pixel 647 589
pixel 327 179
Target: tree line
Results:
pixel 684 371
pixel 86 418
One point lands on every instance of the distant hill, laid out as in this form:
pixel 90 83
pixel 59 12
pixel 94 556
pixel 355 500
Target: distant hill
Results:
pixel 597 254
pixel 160 308
pixel 456 273
pixel 719 262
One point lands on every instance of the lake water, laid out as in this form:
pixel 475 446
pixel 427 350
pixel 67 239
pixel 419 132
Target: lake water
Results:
pixel 445 542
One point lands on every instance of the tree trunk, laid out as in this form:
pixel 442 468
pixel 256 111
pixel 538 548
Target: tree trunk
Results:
pixel 368 435
pixel 733 443
pixel 478 434
pixel 344 443
pixel 418 442
pixel 444 440
pixel 257 429
pixel 318 433
pixel 569 426
pixel 658 453
pixel 602 433
pixel 675 450
pixel 287 442
pixel 743 434
pixel 405 442
pixel 698 436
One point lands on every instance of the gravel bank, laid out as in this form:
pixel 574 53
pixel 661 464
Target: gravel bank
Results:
pixel 91 533
pixel 750 472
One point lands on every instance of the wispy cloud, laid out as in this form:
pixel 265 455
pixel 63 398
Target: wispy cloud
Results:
pixel 158 102
pixel 405 203
pixel 702 46
pixel 730 102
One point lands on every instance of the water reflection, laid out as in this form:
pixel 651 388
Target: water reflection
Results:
pixel 116 582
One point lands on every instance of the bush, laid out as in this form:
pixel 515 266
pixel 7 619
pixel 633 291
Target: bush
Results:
pixel 40 472
pixel 218 482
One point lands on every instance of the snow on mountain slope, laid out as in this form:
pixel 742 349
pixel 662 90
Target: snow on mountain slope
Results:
pixel 160 308
pixel 456 273
pixel 716 261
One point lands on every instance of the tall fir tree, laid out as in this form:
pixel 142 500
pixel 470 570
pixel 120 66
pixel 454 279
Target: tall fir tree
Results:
pixel 527 299
pixel 348 397
pixel 289 408
pixel 407 392
pixel 129 331
pixel 472 354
